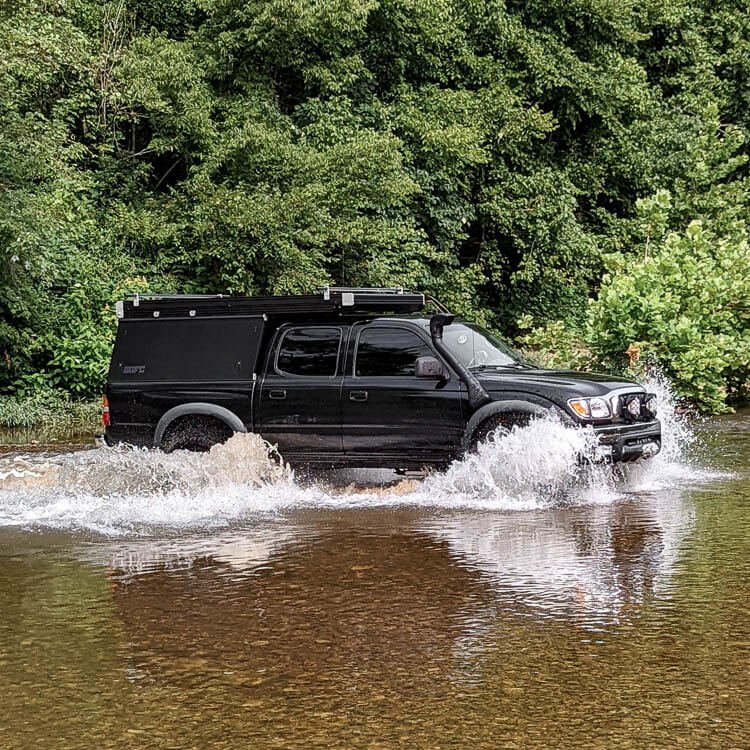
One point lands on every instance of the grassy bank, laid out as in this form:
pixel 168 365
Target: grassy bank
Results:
pixel 49 413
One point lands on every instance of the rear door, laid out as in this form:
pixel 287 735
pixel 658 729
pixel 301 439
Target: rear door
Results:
pixel 385 408
pixel 300 396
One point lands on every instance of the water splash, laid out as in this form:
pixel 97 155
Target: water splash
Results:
pixel 539 466
pixel 134 492
pixel 124 490
pixel 678 463
pixel 527 468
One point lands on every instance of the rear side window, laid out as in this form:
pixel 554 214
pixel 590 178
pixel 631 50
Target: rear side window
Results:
pixel 389 352
pixel 309 352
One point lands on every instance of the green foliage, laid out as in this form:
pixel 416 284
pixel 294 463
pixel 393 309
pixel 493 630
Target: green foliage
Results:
pixel 555 345
pixel 50 411
pixel 688 305
pixel 499 155
pixel 683 305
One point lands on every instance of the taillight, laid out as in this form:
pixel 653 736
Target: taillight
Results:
pixel 105 411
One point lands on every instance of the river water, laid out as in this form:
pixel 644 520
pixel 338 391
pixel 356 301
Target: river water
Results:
pixel 520 600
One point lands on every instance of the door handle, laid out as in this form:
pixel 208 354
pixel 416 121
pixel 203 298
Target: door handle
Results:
pixel 278 395
pixel 357 395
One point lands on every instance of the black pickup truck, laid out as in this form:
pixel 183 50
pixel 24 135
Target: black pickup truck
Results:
pixel 349 377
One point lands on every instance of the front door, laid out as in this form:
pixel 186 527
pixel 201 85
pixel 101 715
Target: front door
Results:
pixel 386 408
pixel 300 397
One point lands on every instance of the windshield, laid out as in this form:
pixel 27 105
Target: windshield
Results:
pixel 475 347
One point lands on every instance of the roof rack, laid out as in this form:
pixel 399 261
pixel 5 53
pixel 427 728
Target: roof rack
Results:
pixel 332 300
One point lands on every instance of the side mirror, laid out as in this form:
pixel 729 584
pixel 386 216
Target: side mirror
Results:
pixel 430 368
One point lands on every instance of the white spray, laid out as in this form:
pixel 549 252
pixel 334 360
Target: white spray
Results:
pixel 126 491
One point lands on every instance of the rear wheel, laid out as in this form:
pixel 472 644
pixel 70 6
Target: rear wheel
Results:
pixel 496 426
pixel 195 433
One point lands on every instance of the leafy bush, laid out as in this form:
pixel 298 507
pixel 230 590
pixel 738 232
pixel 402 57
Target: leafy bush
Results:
pixel 687 304
pixel 557 345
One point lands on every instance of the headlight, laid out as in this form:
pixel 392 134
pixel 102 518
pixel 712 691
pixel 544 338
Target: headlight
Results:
pixel 590 408
pixel 651 405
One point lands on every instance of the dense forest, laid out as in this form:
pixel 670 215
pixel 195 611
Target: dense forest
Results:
pixel 572 173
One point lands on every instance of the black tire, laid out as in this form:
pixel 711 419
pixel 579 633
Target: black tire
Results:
pixel 497 424
pixel 195 433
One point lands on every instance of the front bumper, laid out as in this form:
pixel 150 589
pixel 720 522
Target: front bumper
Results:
pixel 629 442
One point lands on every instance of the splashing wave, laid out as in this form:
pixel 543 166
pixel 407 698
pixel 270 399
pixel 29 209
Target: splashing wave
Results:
pixel 126 491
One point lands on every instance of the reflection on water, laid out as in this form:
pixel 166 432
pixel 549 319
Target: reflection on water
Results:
pixel 609 625
pixel 592 563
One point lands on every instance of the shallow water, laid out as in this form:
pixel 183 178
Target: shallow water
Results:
pixel 519 600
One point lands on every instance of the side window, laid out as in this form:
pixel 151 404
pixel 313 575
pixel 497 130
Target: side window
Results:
pixel 309 351
pixel 385 352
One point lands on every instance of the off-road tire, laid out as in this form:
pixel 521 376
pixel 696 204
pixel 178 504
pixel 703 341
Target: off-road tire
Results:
pixel 195 433
pixel 499 424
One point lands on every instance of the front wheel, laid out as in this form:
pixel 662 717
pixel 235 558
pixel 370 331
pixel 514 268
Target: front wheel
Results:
pixel 495 427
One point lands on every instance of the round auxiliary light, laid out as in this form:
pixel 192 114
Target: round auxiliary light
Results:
pixel 651 405
pixel 633 407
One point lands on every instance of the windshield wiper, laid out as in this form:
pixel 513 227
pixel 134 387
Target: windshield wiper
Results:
pixel 514 365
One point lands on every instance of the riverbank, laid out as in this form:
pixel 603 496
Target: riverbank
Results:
pixel 49 417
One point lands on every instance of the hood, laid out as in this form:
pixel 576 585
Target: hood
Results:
pixel 554 385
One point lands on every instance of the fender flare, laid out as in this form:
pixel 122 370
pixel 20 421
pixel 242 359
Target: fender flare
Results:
pixel 503 407
pixel 197 408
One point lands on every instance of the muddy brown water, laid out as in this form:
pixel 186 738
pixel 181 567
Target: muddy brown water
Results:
pixel 618 622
